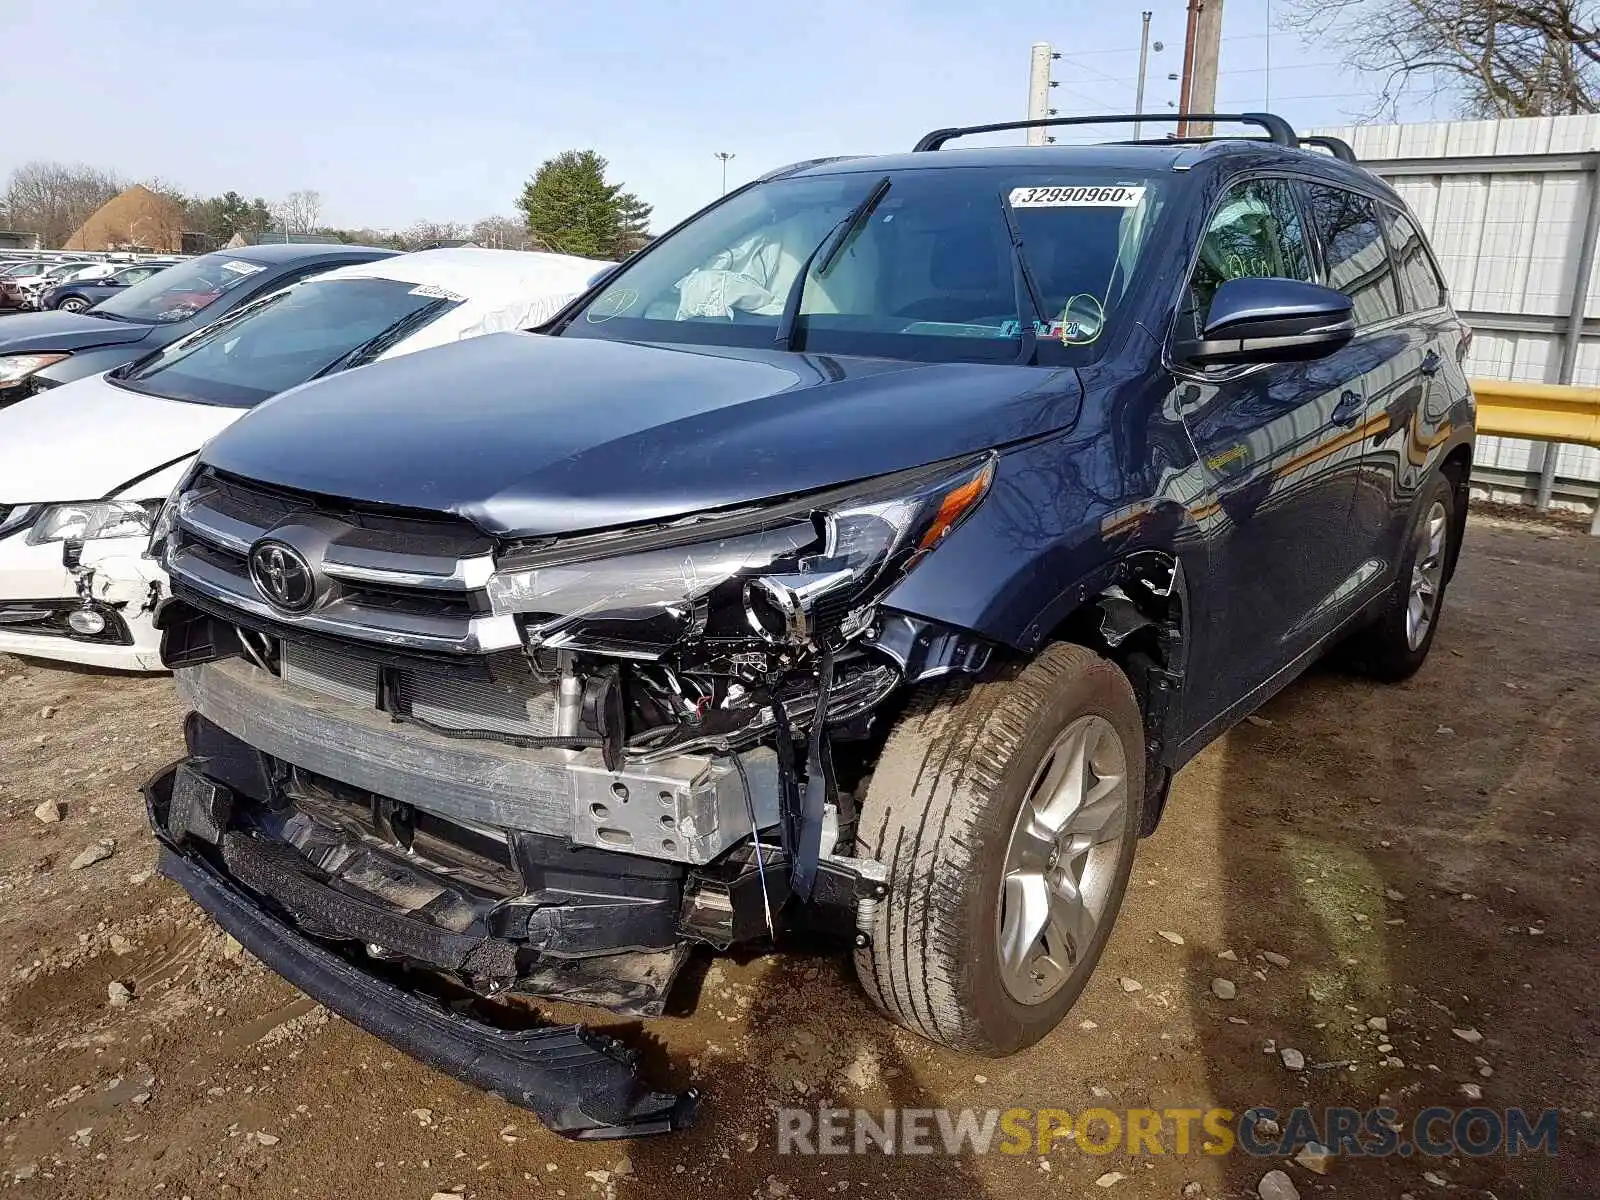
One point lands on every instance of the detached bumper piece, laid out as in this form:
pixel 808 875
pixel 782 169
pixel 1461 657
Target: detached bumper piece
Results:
pixel 579 1083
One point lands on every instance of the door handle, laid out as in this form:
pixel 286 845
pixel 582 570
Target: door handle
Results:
pixel 1431 362
pixel 1349 409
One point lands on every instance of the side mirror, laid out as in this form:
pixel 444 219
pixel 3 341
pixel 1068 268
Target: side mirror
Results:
pixel 1270 320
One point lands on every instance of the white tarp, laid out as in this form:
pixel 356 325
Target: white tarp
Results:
pixel 501 289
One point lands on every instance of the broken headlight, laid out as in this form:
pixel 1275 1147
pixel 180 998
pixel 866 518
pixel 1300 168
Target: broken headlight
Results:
pixel 788 574
pixel 89 520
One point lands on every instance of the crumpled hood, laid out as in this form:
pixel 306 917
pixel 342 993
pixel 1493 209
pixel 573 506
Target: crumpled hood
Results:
pixel 31 333
pixel 86 440
pixel 525 434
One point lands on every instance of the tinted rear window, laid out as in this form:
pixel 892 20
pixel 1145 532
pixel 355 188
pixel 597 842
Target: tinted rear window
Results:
pixel 181 291
pixel 1353 246
pixel 1416 268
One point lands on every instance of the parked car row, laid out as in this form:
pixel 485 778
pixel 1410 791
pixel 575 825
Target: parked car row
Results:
pixel 72 284
pixel 862 557
pixel 87 454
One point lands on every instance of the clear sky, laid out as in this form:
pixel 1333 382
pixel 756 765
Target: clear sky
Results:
pixel 397 110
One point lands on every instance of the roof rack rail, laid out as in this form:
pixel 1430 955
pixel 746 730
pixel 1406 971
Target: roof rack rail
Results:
pixel 1338 147
pixel 1278 130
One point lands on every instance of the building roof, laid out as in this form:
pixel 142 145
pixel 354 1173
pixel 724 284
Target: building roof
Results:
pixel 136 217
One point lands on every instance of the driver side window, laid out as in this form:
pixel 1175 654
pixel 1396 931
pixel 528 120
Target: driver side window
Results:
pixel 1254 232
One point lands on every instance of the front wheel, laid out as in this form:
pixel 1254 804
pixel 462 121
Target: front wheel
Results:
pixel 73 304
pixel 1007 813
pixel 1395 646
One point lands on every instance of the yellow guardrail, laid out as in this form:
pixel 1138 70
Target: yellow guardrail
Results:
pixel 1551 412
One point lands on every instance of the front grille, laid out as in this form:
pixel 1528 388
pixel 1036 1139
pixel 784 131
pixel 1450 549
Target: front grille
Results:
pixel 391 578
pixel 502 695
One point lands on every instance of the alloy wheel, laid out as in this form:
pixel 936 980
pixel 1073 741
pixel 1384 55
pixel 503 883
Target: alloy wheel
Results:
pixel 1427 575
pixel 1061 861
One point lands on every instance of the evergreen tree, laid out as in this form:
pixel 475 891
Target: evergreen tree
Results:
pixel 571 208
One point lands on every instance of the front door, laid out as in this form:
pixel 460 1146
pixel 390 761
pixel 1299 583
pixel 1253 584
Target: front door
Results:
pixel 1280 448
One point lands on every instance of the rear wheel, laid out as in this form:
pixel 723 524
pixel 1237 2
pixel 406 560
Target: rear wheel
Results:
pixel 73 304
pixel 1007 813
pixel 1396 645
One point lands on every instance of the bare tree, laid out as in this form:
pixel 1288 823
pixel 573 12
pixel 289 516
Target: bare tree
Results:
pixel 502 233
pixel 419 235
pixel 1495 58
pixel 53 199
pixel 298 212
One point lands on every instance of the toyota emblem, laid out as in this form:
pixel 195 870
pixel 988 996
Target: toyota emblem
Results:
pixel 282 576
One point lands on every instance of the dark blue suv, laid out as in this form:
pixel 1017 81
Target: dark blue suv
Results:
pixel 864 556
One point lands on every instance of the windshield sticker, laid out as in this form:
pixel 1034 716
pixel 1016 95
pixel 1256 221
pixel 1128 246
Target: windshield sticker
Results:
pixel 435 291
pixel 1081 321
pixel 242 268
pixel 613 304
pixel 1109 196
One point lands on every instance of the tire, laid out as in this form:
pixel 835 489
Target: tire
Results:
pixel 1389 649
pixel 73 304
pixel 942 811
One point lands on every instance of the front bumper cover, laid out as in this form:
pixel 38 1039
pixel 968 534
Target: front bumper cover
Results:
pixel 579 1083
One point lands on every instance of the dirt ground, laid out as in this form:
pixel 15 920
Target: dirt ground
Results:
pixel 1425 853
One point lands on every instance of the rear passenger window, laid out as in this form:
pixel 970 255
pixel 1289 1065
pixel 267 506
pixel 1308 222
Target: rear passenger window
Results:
pixel 1358 260
pixel 1255 231
pixel 1416 268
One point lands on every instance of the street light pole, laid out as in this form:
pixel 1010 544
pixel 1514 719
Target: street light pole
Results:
pixel 724 155
pixel 1144 58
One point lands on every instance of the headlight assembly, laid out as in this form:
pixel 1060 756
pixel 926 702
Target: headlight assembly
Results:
pixel 14 368
pixel 788 574
pixel 89 520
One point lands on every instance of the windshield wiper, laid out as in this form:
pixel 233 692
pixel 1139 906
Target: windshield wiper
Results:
pixel 385 340
pixel 1027 292
pixel 823 255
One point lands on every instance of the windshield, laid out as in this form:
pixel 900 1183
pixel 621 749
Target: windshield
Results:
pixel 287 338
pixel 180 291
pixel 927 271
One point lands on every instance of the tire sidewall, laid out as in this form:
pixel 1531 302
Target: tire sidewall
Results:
pixel 1403 659
pixel 1005 1023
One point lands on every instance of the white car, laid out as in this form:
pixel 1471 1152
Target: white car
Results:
pixel 85 467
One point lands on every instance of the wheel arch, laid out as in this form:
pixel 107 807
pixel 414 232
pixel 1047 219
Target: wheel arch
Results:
pixel 1457 468
pixel 1135 611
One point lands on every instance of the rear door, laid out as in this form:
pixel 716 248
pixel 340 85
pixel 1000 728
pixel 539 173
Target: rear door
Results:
pixel 1398 456
pixel 1389 351
pixel 1275 444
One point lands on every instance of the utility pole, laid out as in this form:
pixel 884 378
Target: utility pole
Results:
pixel 1039 85
pixel 724 155
pixel 1203 77
pixel 1186 78
pixel 1144 58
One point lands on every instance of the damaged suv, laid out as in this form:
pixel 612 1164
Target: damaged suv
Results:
pixel 864 556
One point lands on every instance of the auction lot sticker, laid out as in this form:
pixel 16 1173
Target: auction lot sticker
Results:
pixel 1114 195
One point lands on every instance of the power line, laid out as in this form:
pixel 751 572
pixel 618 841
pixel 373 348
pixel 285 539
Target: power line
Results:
pixel 1238 37
pixel 1091 101
pixel 1315 96
pixel 1103 75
